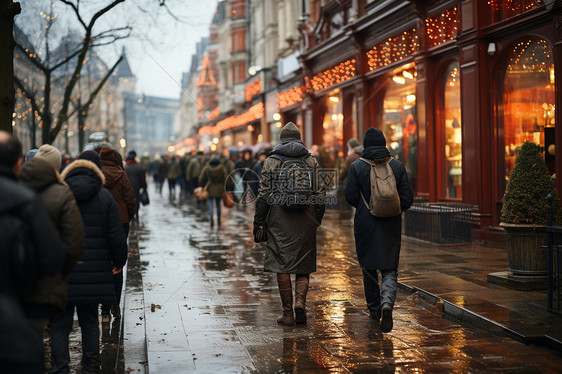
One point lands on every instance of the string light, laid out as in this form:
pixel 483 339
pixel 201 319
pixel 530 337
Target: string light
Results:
pixel 253 89
pixel 254 113
pixel 394 49
pixel 510 8
pixel 442 28
pixel 291 97
pixel 330 77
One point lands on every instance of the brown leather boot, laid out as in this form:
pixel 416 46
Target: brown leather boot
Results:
pixel 286 293
pixel 301 289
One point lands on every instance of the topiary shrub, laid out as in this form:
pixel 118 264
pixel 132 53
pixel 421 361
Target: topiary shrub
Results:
pixel 524 201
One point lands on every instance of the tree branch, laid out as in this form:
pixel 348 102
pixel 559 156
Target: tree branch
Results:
pixel 75 8
pixel 30 97
pixel 95 93
pixel 65 60
pixel 34 60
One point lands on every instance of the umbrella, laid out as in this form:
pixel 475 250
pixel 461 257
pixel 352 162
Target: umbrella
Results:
pixel 263 146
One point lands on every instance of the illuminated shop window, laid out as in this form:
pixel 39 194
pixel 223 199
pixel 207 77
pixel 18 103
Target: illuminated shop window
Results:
pixel 504 9
pixel 400 118
pixel 452 131
pixel 528 98
pixel 331 151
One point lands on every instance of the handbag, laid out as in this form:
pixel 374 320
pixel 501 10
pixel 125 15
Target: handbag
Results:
pixel 201 192
pixel 228 199
pixel 144 198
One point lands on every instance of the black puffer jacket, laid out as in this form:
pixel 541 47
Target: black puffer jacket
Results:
pixel 91 281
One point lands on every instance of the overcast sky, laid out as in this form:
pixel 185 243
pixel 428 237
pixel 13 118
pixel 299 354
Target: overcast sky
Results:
pixel 159 49
pixel 158 63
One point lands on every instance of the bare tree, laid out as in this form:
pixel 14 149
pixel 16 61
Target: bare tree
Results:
pixel 51 120
pixel 8 11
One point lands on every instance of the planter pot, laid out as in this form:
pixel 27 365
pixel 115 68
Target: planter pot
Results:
pixel 524 252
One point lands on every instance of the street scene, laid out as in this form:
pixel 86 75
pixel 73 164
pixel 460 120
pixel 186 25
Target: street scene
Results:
pixel 280 186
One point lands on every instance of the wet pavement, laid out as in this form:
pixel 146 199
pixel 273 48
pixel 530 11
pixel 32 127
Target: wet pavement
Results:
pixel 197 300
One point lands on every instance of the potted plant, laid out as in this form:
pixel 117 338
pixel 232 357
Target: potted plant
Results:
pixel 525 211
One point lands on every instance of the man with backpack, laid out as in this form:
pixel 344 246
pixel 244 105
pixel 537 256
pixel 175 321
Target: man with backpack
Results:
pixel 379 187
pixel 289 208
pixel 29 248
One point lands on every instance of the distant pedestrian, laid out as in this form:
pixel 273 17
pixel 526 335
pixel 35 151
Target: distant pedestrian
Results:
pixel 117 182
pixel 291 229
pixel 137 177
pixel 91 281
pixel 377 239
pixel 174 173
pixel 214 176
pixel 256 172
pixel 193 170
pixel 29 249
pixel 41 174
pixel 354 153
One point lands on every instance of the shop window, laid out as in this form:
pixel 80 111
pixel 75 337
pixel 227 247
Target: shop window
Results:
pixel 528 98
pixel 498 10
pixel 400 119
pixel 331 151
pixel 452 171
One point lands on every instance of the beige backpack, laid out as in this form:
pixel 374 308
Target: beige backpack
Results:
pixel 384 201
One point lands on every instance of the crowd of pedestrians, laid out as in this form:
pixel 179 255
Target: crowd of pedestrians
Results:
pixel 69 221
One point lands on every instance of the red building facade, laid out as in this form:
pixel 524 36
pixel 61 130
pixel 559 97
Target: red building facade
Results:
pixel 456 86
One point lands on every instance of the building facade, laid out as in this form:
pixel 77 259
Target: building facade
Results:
pixel 456 86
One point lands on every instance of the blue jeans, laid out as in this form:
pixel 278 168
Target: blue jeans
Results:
pixel 217 201
pixel 376 296
pixel 60 330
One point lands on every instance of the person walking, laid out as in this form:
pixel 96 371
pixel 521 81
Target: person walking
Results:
pixel 193 170
pixel 354 153
pixel 214 176
pixel 40 173
pixel 29 249
pixel 377 239
pixel 137 177
pixel 174 173
pixel 117 183
pixel 91 281
pixel 291 233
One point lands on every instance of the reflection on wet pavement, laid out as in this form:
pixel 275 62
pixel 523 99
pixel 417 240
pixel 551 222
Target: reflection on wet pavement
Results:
pixel 209 307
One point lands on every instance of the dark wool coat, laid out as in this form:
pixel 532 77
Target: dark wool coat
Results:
pixel 117 182
pixel 216 176
pixel 377 240
pixel 137 177
pixel 291 234
pixel 61 207
pixel 91 281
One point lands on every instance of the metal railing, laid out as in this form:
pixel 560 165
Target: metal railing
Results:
pixel 553 265
pixel 440 223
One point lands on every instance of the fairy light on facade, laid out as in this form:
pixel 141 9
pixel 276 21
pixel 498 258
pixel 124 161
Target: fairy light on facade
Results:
pixel 442 28
pixel 337 74
pixel 530 59
pixel 254 113
pixel 214 114
pixel 252 89
pixel 504 9
pixel 393 49
pixel 290 97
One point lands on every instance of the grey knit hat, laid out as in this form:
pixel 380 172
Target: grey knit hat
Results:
pixel 290 131
pixel 51 155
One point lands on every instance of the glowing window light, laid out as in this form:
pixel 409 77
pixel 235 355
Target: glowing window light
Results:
pixel 399 79
pixel 334 99
pixel 442 28
pixel 393 49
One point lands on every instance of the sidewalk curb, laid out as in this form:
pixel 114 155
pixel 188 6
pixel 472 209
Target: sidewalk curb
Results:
pixel 466 316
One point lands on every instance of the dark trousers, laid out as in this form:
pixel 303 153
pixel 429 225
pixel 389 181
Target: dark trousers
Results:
pixel 117 280
pixel 217 201
pixel 376 296
pixel 60 330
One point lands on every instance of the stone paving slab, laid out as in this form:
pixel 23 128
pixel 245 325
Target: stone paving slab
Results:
pixel 227 307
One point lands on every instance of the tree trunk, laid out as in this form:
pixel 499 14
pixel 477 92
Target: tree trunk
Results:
pixel 81 132
pixel 8 11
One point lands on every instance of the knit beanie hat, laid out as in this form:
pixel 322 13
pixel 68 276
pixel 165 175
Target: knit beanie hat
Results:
pixel 91 156
pixel 290 131
pixel 374 137
pixel 51 155
pixel 30 154
pixel 352 143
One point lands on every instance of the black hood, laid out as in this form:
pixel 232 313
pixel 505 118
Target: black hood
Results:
pixel 84 179
pixel 375 152
pixel 290 148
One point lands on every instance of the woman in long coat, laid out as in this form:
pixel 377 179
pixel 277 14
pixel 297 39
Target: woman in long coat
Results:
pixel 214 176
pixel 377 240
pixel 291 234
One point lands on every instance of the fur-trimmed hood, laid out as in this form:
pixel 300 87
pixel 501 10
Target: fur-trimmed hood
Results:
pixel 84 178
